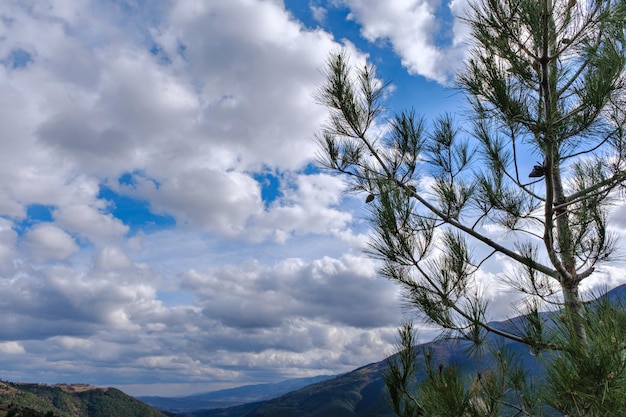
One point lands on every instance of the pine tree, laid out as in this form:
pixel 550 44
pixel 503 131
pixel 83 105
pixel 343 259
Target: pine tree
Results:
pixel 545 80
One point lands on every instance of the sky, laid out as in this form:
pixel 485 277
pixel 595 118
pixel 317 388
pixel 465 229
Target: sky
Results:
pixel 163 226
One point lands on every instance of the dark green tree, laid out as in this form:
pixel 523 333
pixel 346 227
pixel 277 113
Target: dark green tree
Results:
pixel 545 80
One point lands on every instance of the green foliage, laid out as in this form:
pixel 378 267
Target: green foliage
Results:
pixel 72 401
pixel 14 410
pixel 581 379
pixel 418 387
pixel 590 379
pixel 444 391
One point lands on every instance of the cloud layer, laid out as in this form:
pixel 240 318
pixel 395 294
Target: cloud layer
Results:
pixel 244 264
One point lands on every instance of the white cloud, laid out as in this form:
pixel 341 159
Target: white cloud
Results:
pixel 74 342
pixel 11 348
pixel 8 238
pixel 414 30
pixel 46 242
pixel 210 198
pixel 310 204
pixel 333 290
pixel 112 258
pixel 255 71
pixel 319 13
pixel 90 223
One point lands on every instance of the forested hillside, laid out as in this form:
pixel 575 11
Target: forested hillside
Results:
pixel 22 400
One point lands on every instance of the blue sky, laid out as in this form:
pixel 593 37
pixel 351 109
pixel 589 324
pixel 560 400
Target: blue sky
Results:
pixel 163 228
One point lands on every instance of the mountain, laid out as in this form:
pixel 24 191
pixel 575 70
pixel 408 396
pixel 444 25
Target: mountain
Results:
pixel 362 392
pixel 230 397
pixel 63 400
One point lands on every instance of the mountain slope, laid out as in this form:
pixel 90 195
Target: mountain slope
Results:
pixel 231 397
pixel 74 400
pixel 360 392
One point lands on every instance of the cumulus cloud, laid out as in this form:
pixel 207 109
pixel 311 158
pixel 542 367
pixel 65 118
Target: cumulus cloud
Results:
pixel 178 107
pixel 46 242
pixel 90 223
pixel 8 237
pixel 112 258
pixel 11 348
pixel 309 204
pixel 291 318
pixel 416 32
pixel 252 67
pixel 343 291
pixel 210 198
pixel 319 13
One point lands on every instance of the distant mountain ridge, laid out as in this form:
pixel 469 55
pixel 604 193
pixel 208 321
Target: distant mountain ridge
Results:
pixel 357 393
pixel 231 397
